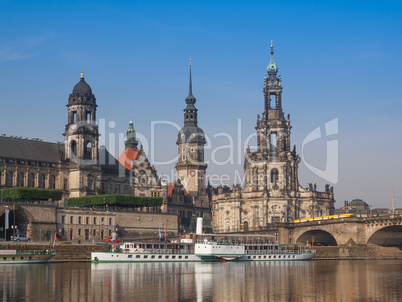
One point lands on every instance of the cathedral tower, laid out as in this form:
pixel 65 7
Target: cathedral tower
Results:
pixel 191 140
pixel 81 136
pixel 273 167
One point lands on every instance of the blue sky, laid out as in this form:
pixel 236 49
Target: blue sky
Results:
pixel 338 59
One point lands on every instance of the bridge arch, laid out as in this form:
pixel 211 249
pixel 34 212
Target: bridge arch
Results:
pixel 18 217
pixel 387 236
pixel 321 237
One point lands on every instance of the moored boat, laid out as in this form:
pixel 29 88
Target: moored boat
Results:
pixel 23 257
pixel 210 247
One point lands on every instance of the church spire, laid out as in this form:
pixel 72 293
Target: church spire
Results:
pixel 272 69
pixel 190 112
pixel 190 100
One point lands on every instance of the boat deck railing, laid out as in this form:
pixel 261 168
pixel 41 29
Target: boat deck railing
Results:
pixel 276 252
pixel 238 242
pixel 158 251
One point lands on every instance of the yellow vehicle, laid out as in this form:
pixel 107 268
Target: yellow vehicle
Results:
pixel 324 217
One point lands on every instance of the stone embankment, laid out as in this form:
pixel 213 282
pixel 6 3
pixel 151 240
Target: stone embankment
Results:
pixel 357 253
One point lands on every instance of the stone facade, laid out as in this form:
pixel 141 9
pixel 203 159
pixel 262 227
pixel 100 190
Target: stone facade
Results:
pixel 272 192
pixel 96 225
pixel 85 225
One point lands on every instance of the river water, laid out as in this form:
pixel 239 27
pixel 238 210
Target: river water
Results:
pixel 374 280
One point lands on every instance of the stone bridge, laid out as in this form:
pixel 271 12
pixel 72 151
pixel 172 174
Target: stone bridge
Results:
pixel 35 220
pixel 382 230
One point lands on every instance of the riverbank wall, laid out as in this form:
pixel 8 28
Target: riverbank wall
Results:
pixel 369 252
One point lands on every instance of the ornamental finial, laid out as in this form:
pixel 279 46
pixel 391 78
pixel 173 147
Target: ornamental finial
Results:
pixel 272 44
pixel 82 74
pixel 190 60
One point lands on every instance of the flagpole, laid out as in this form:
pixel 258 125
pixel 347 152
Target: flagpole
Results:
pixel 54 240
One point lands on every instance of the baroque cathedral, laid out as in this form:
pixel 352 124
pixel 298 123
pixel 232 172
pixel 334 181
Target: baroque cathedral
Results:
pixel 271 193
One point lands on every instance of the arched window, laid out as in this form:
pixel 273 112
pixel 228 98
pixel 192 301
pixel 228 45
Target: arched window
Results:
pixel 273 138
pixel 274 176
pixel 90 182
pixel 272 99
pixel 20 179
pixel 73 149
pixel 245 226
pixel 88 151
pixel 125 189
pixel 117 189
pixel 31 180
pixel 41 181
pixel 52 182
pixel 109 189
pixel 9 179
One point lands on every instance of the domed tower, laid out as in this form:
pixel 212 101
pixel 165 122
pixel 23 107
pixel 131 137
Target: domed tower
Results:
pixel 131 141
pixel 191 140
pixel 81 136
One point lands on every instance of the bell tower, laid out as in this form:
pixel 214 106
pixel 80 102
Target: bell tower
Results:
pixel 273 168
pixel 191 168
pixel 81 134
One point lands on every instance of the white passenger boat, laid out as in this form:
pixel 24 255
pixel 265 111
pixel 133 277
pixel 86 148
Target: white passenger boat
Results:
pixel 210 247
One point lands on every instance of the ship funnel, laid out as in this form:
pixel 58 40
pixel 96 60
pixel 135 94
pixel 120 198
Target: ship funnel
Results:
pixel 199 226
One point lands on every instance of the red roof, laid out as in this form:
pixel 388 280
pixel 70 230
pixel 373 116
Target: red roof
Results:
pixel 127 156
pixel 171 187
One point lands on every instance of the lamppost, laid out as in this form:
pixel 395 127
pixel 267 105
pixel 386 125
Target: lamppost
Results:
pixel 5 221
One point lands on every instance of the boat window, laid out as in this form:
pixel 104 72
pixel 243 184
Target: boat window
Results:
pixel 160 257
pixel 137 256
pixel 249 257
pixel 166 257
pixel 130 256
pixel 153 256
pixel 185 257
pixel 173 257
pixel 180 257
pixel 22 258
pixel 145 256
pixel 13 258
pixel 30 258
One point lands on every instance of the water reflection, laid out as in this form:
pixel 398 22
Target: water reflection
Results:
pixel 253 281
